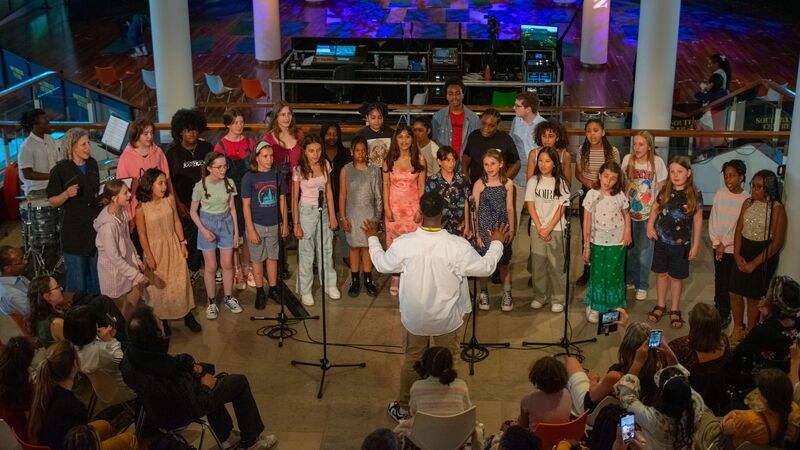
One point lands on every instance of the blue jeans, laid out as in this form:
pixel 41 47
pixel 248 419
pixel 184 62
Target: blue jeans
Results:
pixel 640 256
pixel 81 273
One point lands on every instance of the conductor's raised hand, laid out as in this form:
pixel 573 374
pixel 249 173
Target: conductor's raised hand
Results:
pixel 499 232
pixel 370 228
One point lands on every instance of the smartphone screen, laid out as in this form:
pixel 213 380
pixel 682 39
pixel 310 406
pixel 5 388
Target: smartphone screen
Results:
pixel 610 317
pixel 655 338
pixel 628 426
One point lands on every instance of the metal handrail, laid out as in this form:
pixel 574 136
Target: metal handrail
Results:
pixel 733 95
pixel 28 83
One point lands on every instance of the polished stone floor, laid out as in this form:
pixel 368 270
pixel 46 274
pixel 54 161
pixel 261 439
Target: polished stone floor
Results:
pixel 355 399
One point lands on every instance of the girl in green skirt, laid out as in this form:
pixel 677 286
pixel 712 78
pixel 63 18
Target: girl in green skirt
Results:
pixel 606 234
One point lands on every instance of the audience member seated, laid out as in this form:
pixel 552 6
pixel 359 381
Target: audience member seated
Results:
pixel 381 439
pixel 704 352
pixel 16 390
pixel 439 392
pixel 672 422
pixel 776 423
pixel 550 402
pixel 56 410
pixel 175 390
pixel 13 284
pixel 589 390
pixel 46 317
pixel 97 348
pixel 604 430
pixel 767 344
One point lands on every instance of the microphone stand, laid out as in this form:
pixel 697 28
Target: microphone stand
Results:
pixel 565 341
pixel 324 364
pixel 473 350
pixel 281 331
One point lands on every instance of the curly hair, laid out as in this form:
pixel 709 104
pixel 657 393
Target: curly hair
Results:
pixel 676 402
pixel 29 118
pixel 70 138
pixel 548 374
pixel 557 128
pixel 15 359
pixel 144 192
pixel 189 120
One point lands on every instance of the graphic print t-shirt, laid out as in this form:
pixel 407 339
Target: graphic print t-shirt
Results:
pixel 262 190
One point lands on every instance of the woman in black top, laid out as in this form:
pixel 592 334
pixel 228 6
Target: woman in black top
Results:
pixel 55 408
pixel 73 186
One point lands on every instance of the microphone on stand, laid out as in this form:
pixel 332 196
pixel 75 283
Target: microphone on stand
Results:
pixel 320 199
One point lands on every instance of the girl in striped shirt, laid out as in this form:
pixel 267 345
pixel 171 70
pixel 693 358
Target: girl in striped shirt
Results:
pixel 595 151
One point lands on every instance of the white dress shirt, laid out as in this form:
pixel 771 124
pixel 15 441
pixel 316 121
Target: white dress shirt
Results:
pixel 433 267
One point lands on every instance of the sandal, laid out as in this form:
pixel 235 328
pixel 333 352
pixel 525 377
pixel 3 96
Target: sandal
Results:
pixel 673 322
pixel 656 313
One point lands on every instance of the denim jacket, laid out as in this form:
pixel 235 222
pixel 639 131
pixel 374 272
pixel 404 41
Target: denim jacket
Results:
pixel 443 129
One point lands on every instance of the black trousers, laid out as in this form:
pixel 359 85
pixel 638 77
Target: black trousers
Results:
pixel 722 280
pixel 234 388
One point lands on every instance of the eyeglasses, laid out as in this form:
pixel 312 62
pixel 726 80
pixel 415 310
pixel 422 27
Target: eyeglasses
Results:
pixel 223 167
pixel 58 287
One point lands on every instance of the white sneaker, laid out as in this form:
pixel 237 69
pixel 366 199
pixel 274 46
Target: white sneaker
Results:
pixel 212 311
pixel 264 442
pixel 232 304
pixel 218 277
pixel 592 316
pixel 483 301
pixel 535 304
pixel 307 299
pixel 232 441
pixel 556 307
pixel 333 293
pixel 641 294
pixel 629 286
pixel 507 303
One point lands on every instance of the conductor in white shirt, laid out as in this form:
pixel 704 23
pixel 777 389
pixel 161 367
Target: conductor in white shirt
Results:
pixel 434 297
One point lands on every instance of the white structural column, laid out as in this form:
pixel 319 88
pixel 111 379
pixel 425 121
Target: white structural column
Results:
pixel 267 30
pixel 172 56
pixel 594 31
pixel 790 256
pixel 655 66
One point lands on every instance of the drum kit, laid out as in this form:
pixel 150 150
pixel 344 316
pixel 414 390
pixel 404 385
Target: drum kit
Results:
pixel 41 235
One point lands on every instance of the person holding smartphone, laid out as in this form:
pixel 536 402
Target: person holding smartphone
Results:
pixel 672 422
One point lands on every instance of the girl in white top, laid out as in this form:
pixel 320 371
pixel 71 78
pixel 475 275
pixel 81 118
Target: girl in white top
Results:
pixel 645 174
pixel 546 197
pixel 311 179
pixel 606 233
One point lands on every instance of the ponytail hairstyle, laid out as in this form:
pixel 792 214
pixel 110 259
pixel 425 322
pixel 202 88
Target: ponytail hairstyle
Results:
pixel 207 162
pixel 144 192
pixel 676 402
pixel 59 365
pixel 776 388
pixel 305 165
pixel 29 118
pixel 548 374
pixel 82 437
pixel 436 362
pixel 41 309
pixel 253 164
pixel 558 170
pixel 651 156
pixel 690 189
pixel 394 150
pixel 612 166
pixel 722 62
pixel 497 155
pixel 608 149
pixel 110 190
pixel 15 359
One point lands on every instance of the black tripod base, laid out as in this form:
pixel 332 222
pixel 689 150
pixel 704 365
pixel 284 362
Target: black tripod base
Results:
pixel 474 351
pixel 564 343
pixel 281 331
pixel 325 365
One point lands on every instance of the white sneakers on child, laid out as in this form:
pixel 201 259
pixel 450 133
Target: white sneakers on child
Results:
pixel 212 311
pixel 507 302
pixel 641 294
pixel 556 307
pixel 483 301
pixel 591 315
pixel 307 299
pixel 333 293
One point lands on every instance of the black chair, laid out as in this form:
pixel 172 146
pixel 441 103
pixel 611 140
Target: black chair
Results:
pixel 342 73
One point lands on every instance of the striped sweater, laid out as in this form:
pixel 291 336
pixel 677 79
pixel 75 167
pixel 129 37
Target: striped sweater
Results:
pixel 724 215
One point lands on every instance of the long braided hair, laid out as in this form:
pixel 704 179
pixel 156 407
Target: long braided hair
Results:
pixel 207 162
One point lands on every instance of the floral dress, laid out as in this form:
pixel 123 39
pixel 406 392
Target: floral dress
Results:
pixel 403 202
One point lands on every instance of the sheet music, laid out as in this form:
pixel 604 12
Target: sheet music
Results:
pixel 115 132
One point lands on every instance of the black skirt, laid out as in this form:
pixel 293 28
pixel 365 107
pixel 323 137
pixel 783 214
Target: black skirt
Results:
pixel 753 285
